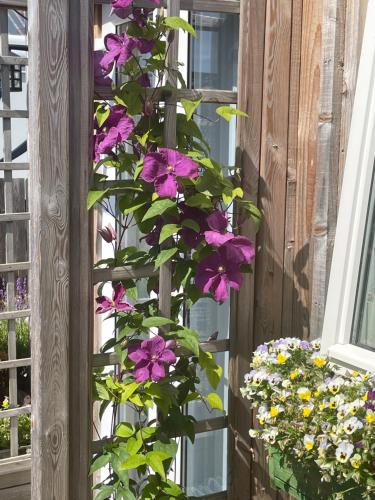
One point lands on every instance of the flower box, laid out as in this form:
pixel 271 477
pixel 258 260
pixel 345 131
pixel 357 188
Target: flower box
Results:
pixel 303 480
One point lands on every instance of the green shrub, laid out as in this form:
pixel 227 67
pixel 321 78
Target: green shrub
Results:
pixel 23 338
pixel 23 431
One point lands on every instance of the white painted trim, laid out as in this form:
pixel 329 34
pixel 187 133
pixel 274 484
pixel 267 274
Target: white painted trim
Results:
pixel 352 356
pixel 353 208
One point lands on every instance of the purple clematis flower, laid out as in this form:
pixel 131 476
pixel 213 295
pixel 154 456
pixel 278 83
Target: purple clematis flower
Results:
pixel 218 272
pixel 108 233
pixel 164 167
pixel 150 358
pixel 120 49
pixel 116 304
pixel 144 80
pixel 116 129
pixel 217 235
pixel 100 74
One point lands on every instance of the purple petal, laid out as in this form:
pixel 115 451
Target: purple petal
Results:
pixel 167 356
pixel 144 45
pixel 217 221
pixel 153 166
pixel 124 307
pixel 125 127
pixel 142 374
pixel 104 305
pixel 137 355
pixel 166 186
pixel 220 288
pixel 245 249
pixel 157 371
pixel 155 345
pixel 120 4
pixel 118 293
pixel 113 42
pixel 100 74
pixel 183 166
pixel 217 239
pixel 107 61
pixel 144 80
pixel 170 344
pixel 107 142
pixel 122 13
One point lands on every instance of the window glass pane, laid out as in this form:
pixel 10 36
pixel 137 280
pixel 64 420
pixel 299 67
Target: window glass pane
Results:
pixel 209 474
pixel 364 316
pixel 214 52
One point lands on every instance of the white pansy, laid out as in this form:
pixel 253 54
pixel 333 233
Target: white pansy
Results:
pixel 344 451
pixel 351 425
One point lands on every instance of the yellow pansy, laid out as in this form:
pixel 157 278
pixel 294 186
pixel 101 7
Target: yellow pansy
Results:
pixel 281 358
pixel 370 416
pixel 317 393
pixel 319 361
pixel 356 461
pixel 294 374
pixel 274 411
pixel 304 393
pixel 365 397
pixel 307 411
pixel 5 403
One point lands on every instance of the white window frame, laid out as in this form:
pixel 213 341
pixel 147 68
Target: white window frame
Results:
pixel 355 195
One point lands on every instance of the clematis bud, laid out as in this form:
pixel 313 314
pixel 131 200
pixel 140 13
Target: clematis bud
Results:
pixel 108 233
pixel 171 35
pixel 148 107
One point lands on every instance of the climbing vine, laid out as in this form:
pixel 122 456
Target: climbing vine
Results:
pixel 189 213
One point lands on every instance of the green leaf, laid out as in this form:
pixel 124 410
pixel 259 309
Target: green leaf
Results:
pixel 102 391
pixel 146 432
pixel 215 401
pixel 102 114
pixel 156 321
pixel 176 23
pixel 167 231
pixel 128 390
pixel 104 493
pixel 167 448
pixel 230 194
pixel 158 208
pixel 199 200
pixel 125 430
pixel 227 112
pixel 189 338
pixel 155 460
pixel 164 256
pixel 133 445
pixel 134 462
pixel 191 224
pixel 100 462
pixel 95 196
pixel 190 106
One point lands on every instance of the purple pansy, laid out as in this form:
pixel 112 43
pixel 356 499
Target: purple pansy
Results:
pixel 100 74
pixel 218 272
pixel 116 129
pixel 150 358
pixel 120 49
pixel 370 403
pixel 116 304
pixel 163 168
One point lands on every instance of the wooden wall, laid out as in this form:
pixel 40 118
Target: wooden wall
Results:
pixel 293 154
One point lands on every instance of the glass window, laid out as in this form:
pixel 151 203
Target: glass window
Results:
pixel 364 317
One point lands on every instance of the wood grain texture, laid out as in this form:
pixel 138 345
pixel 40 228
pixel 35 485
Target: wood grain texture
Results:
pixel 290 203
pixel 250 94
pixel 50 231
pixel 306 162
pixel 81 90
pixel 272 196
pixel 230 6
pixel 327 171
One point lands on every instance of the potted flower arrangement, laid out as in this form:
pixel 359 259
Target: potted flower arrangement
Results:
pixel 316 420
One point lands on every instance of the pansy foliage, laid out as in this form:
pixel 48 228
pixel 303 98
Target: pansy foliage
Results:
pixel 189 214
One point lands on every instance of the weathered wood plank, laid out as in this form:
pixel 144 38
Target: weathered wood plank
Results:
pixel 14 60
pixel 13 113
pixel 15 363
pixel 9 217
pixel 22 313
pixel 13 166
pixel 49 168
pixel 81 91
pixel 13 3
pixel 306 162
pixel 14 412
pixel 15 266
pixel 250 95
pixel 354 27
pixel 290 204
pixel 214 96
pixel 327 171
pixel 21 492
pixel 119 273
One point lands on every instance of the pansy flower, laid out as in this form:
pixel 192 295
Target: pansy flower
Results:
pixel 114 304
pixel 218 272
pixel 164 167
pixel 116 129
pixel 151 357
